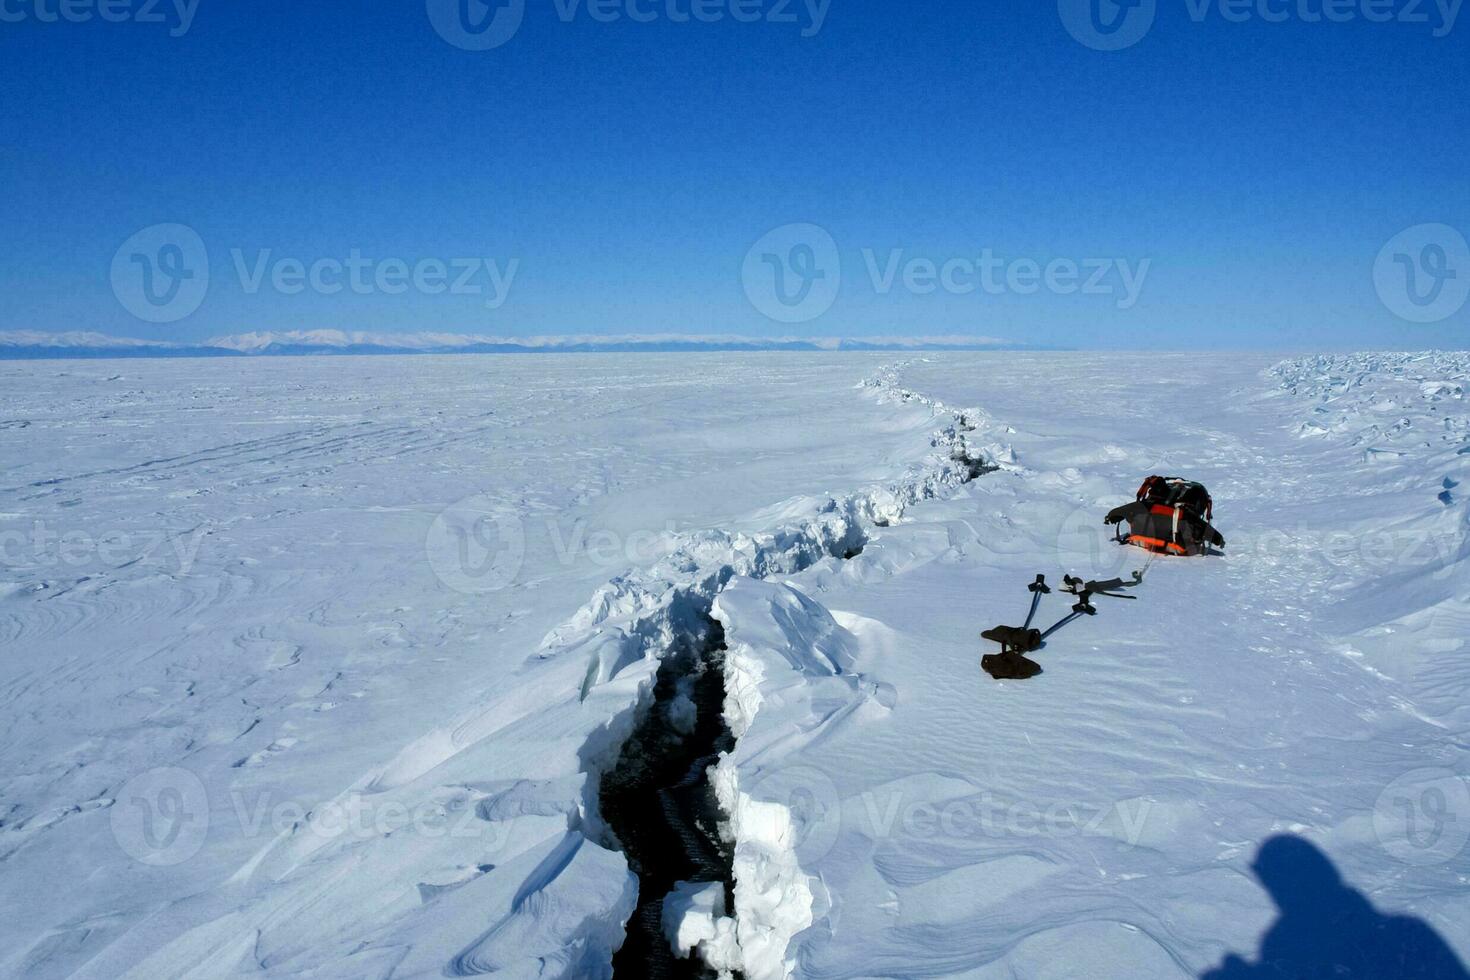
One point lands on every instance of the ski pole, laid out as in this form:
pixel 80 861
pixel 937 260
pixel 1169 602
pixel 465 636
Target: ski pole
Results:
pixel 1038 589
pixel 1062 622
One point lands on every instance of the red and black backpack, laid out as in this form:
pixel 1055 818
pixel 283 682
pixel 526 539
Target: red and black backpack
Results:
pixel 1172 491
pixel 1170 516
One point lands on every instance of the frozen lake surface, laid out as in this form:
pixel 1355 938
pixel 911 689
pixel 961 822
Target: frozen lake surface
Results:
pixel 313 666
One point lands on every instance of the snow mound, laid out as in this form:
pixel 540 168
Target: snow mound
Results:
pixel 695 923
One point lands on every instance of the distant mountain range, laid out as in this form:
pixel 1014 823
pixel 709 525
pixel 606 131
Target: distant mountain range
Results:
pixel 36 345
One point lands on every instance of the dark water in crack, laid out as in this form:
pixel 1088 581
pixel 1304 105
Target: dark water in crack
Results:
pixel 658 801
pixel 657 798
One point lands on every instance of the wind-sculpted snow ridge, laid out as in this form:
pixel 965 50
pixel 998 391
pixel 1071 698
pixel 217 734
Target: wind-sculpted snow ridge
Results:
pixel 789 681
pixel 650 609
pixel 642 616
pixel 787 663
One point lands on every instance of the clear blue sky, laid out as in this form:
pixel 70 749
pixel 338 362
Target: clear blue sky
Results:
pixel 628 167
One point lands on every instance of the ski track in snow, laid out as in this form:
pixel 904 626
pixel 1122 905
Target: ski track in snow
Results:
pixel 853 687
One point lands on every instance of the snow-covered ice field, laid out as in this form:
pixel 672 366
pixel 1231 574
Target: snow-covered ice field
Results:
pixel 312 666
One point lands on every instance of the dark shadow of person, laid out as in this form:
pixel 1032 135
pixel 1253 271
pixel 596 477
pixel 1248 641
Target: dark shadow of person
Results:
pixel 1328 930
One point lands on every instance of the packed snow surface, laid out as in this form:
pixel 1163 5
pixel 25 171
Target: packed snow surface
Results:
pixel 314 665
